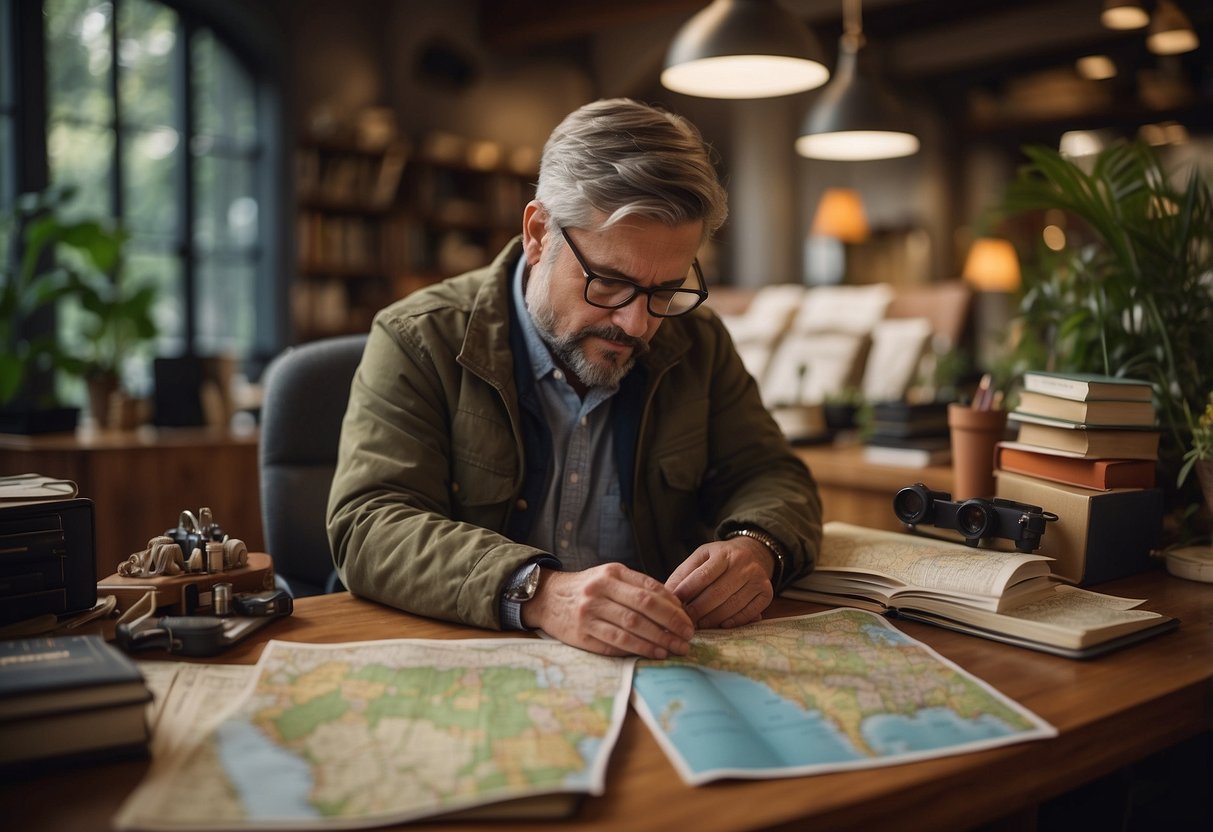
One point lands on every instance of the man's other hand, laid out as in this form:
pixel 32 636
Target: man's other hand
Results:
pixel 725 583
pixel 612 610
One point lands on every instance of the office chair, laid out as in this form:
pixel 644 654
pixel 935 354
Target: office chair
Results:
pixel 306 389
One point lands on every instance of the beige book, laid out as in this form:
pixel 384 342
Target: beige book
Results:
pixel 1005 596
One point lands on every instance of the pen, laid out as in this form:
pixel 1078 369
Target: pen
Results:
pixel 983 396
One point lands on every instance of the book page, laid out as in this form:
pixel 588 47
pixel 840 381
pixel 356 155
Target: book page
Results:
pixel 1067 618
pixel 984 576
pixel 1076 609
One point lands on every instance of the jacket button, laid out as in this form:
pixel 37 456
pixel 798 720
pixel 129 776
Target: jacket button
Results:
pixel 454 488
pixel 520 505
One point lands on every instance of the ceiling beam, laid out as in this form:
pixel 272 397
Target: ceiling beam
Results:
pixel 522 23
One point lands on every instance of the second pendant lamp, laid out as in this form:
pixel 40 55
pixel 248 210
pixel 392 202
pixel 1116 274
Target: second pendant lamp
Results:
pixel 854 118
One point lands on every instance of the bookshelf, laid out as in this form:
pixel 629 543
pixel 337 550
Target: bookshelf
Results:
pixel 347 198
pixel 376 224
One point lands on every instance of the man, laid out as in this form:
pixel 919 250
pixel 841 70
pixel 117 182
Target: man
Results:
pixel 563 440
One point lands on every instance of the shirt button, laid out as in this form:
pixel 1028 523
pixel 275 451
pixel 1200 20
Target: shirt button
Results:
pixel 520 505
pixel 564 544
pixel 454 488
pixel 568 526
pixel 559 376
pixel 584 421
pixel 573 477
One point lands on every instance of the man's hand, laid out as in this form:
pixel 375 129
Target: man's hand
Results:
pixel 612 610
pixel 725 583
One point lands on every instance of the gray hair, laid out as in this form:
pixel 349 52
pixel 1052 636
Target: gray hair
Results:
pixel 622 158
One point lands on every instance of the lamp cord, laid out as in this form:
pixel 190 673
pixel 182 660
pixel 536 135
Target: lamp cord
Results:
pixel 852 24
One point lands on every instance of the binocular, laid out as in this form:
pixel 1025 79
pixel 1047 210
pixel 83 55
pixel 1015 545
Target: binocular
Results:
pixel 974 518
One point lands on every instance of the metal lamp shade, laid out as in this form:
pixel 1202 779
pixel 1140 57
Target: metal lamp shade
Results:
pixel 743 49
pixel 855 119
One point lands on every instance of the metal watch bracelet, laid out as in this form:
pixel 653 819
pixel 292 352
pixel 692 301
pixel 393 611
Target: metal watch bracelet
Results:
pixel 766 540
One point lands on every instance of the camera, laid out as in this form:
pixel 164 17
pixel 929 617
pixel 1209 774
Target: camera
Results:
pixel 974 518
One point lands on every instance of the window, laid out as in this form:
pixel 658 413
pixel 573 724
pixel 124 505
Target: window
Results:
pixel 161 121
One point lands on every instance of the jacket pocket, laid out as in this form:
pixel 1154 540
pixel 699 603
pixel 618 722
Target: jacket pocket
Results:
pixel 683 471
pixel 482 461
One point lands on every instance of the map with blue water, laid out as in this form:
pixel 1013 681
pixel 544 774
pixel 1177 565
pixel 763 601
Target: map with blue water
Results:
pixel 818 693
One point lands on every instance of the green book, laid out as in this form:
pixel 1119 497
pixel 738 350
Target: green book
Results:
pixel 1084 387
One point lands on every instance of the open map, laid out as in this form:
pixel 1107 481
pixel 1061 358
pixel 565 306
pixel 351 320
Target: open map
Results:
pixel 825 692
pixel 355 735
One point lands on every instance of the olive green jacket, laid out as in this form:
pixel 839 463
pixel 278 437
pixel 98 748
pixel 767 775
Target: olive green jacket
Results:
pixel 431 460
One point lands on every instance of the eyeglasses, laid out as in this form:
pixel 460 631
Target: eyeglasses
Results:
pixel 615 292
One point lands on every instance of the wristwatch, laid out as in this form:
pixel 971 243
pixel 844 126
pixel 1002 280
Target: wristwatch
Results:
pixel 766 540
pixel 522 588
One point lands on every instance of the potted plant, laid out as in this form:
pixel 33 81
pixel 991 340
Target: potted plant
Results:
pixel 1129 294
pixel 62 258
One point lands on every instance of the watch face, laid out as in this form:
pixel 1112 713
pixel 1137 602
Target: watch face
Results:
pixel 527 584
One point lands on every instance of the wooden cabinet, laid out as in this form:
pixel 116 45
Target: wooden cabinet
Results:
pixel 141 480
pixel 374 225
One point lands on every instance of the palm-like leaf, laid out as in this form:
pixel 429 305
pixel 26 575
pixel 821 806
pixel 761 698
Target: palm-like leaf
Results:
pixel 1136 298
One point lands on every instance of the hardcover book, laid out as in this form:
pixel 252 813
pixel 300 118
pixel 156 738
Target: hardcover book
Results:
pixel 905 419
pixel 1096 474
pixel 67 696
pixel 1004 596
pixel 1087 386
pixel 1095 443
pixel 1101 412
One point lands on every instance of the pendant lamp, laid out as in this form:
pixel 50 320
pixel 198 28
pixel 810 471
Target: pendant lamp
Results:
pixel 1124 14
pixel 854 118
pixel 743 49
pixel 1171 32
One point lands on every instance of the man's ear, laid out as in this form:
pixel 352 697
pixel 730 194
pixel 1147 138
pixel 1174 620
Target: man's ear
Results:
pixel 534 231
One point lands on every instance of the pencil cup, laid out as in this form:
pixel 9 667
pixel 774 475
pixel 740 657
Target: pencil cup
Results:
pixel 974 434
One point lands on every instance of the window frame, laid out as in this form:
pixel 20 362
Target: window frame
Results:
pixel 253 42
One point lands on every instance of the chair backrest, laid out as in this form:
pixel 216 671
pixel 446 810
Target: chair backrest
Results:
pixel 306 390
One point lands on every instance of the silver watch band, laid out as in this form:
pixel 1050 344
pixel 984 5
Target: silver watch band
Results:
pixel 771 543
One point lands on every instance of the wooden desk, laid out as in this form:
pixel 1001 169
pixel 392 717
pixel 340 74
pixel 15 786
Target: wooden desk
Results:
pixel 1109 711
pixel 141 480
pixel 855 491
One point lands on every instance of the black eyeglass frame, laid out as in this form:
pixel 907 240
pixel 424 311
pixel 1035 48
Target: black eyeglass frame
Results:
pixel 637 289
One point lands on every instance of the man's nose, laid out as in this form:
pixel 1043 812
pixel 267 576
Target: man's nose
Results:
pixel 633 318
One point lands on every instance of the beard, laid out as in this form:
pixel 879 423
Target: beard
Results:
pixel 569 349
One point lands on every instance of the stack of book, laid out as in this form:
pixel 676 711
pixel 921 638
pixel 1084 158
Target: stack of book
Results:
pixel 1090 431
pixel 69 697
pixel 908 435
pixel 1087 450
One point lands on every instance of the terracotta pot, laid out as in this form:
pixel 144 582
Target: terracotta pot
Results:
pixel 974 434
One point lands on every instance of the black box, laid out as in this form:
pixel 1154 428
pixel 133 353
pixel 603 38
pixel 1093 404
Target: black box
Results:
pixel 47 558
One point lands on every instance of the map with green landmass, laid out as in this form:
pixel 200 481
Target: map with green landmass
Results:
pixel 826 692
pixel 355 735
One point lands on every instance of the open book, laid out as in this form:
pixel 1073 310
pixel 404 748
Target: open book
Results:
pixel 1005 596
